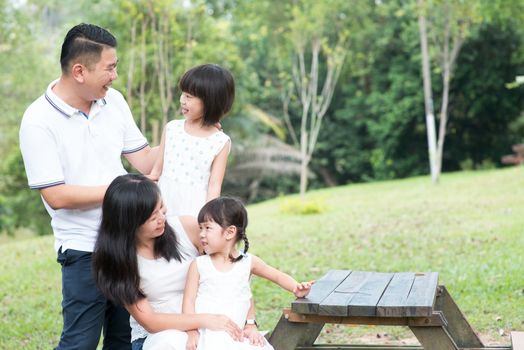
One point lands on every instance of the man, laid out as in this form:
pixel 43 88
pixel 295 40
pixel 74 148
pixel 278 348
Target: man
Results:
pixel 72 139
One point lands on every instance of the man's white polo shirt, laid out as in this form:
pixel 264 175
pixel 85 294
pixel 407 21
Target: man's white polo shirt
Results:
pixel 60 145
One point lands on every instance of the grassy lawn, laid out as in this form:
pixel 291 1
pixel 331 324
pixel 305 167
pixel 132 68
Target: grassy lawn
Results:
pixel 468 228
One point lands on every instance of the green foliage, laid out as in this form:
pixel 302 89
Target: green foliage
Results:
pixel 24 53
pixel 374 128
pixel 297 206
pixel 20 206
pixel 484 113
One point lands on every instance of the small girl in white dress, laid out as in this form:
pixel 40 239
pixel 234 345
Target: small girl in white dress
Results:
pixel 219 281
pixel 192 162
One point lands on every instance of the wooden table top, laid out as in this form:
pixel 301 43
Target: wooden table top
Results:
pixel 361 293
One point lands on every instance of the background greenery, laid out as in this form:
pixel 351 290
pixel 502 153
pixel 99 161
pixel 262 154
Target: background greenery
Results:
pixel 373 129
pixel 469 229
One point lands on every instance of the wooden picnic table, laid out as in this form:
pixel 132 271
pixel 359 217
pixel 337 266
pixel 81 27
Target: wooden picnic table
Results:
pixel 409 299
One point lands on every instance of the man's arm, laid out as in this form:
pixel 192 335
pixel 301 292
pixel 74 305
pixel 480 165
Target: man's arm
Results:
pixel 144 159
pixel 73 196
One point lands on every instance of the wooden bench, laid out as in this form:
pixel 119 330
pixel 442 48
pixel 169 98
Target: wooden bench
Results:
pixel 515 159
pixel 407 299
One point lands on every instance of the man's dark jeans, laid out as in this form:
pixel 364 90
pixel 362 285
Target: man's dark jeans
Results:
pixel 86 311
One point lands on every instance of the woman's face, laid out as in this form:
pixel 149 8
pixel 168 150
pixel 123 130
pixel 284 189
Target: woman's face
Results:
pixel 154 225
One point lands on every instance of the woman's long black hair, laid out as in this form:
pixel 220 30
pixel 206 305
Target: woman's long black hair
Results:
pixel 128 203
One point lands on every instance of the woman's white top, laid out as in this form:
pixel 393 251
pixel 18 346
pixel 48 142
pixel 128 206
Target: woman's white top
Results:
pixel 163 281
pixel 187 168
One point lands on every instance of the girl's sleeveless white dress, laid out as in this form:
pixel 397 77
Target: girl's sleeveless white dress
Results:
pixel 163 283
pixel 187 168
pixel 226 293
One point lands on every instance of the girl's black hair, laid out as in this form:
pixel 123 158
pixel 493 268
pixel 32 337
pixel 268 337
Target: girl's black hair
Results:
pixel 128 203
pixel 212 84
pixel 227 211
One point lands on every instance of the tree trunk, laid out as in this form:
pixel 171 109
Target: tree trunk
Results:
pixel 131 68
pixel 428 96
pixel 303 164
pixel 142 90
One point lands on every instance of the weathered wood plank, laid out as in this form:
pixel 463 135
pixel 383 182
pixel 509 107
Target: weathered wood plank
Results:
pixel 336 303
pixel 359 347
pixel 320 290
pixel 517 340
pixel 421 298
pixel 458 326
pixel 288 335
pixel 434 338
pixel 365 301
pixel 393 301
pixel 435 320
pixel 381 347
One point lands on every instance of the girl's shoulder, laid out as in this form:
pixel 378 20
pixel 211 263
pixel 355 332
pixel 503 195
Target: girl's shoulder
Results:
pixel 219 137
pixel 222 134
pixel 202 260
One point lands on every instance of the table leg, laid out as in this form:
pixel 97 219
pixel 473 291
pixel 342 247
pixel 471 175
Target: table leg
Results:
pixel 288 335
pixel 434 338
pixel 458 326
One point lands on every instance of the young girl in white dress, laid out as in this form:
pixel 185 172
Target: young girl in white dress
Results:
pixel 219 281
pixel 193 153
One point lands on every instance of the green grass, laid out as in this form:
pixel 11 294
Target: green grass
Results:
pixel 469 228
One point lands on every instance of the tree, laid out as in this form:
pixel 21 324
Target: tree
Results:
pixel 450 24
pixel 312 41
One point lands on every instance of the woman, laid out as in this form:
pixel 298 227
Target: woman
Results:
pixel 141 262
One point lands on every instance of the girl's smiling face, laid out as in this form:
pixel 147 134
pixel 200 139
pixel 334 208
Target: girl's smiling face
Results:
pixel 191 106
pixel 213 238
pixel 154 225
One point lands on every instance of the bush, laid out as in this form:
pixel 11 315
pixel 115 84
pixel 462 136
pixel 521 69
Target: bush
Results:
pixel 298 206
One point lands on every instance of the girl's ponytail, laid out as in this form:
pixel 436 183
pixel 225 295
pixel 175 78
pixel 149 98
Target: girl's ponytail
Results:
pixel 243 236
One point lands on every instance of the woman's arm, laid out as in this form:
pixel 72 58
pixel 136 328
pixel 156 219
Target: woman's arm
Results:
pixel 159 162
pixel 190 225
pixel 260 268
pixel 218 169
pixel 154 322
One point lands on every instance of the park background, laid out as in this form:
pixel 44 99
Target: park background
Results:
pixel 329 94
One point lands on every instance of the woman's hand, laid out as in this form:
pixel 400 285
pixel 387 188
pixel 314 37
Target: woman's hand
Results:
pixel 302 289
pixel 255 338
pixel 224 323
pixel 192 340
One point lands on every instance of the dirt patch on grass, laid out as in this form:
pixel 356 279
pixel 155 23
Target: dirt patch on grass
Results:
pixel 373 335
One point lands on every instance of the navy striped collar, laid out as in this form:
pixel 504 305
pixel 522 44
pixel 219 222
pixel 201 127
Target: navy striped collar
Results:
pixel 62 106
